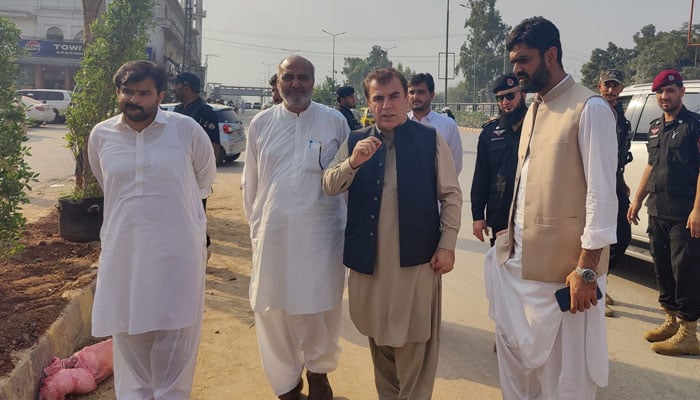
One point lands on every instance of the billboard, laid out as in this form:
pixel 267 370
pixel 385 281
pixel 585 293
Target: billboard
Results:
pixel 52 48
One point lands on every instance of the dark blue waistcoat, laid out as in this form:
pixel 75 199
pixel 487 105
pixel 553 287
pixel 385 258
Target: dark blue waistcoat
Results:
pixel 419 219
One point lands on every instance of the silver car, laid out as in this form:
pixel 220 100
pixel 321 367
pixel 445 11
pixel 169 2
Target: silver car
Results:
pixel 232 139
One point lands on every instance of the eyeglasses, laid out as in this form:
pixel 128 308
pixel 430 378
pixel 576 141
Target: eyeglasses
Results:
pixel 507 96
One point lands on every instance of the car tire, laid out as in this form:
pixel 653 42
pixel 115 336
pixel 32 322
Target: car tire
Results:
pixel 233 157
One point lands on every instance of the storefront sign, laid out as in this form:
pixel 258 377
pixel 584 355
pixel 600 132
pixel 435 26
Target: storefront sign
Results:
pixel 51 48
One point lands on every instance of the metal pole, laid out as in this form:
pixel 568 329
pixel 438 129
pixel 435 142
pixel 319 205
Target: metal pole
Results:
pixel 447 48
pixel 333 56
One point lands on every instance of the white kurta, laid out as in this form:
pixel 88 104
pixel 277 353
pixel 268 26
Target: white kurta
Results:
pixel 447 127
pixel 296 230
pixel 153 256
pixel 526 313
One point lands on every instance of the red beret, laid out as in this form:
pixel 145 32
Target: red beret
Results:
pixel 665 78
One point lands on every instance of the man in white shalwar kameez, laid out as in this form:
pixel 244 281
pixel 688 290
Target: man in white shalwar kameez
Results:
pixel 562 220
pixel 153 167
pixel 296 231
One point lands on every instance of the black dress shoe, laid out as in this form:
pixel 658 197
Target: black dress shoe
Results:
pixel 294 394
pixel 319 387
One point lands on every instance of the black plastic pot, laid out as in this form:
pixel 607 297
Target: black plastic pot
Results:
pixel 80 220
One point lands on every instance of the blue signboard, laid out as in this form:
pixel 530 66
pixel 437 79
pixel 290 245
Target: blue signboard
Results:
pixel 59 49
pixel 52 48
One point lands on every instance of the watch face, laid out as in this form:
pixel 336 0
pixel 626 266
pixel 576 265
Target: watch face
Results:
pixel 588 275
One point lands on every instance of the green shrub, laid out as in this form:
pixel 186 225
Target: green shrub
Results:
pixel 15 174
pixel 120 34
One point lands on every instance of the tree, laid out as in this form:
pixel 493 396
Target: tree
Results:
pixel 120 34
pixel 15 174
pixel 324 93
pixel 356 69
pixel 611 58
pixel 405 71
pixel 482 56
pixel 653 51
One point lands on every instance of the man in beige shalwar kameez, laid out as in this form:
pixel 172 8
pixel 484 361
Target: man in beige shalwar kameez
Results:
pixel 398 241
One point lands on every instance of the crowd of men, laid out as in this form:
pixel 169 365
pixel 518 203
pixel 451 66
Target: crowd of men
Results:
pixel 324 195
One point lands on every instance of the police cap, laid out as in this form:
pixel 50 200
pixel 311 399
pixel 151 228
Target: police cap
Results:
pixel 665 78
pixel 505 82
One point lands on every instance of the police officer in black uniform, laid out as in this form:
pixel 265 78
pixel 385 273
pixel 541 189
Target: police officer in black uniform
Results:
pixel 610 85
pixel 671 181
pixel 497 160
pixel 346 102
pixel 187 87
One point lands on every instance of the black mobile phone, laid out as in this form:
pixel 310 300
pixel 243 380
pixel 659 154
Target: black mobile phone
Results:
pixel 563 297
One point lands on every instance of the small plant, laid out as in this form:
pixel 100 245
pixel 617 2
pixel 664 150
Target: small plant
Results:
pixel 120 34
pixel 15 174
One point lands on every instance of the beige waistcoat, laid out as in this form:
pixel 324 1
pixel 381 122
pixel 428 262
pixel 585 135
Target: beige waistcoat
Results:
pixel 555 199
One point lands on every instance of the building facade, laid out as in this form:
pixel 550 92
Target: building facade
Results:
pixel 52 34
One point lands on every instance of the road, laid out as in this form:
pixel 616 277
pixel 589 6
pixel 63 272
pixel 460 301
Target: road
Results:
pixel 467 368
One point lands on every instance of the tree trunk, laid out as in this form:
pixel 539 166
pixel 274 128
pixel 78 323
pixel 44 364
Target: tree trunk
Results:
pixel 91 10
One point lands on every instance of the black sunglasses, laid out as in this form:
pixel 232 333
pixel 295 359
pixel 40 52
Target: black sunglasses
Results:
pixel 509 96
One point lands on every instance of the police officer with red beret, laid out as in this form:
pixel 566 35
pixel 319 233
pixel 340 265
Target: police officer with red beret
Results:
pixel 671 182
pixel 497 160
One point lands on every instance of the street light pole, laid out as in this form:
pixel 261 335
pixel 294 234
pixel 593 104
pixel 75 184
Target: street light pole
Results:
pixel 333 56
pixel 447 48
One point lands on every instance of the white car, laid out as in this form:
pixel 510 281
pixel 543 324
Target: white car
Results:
pixel 59 100
pixel 37 112
pixel 640 106
pixel 232 139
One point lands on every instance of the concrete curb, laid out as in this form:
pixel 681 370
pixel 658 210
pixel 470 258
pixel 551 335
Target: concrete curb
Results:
pixel 71 329
pixel 464 129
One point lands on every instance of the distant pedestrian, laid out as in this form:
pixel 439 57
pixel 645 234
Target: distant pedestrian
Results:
pixel 152 166
pixel 346 102
pixel 276 98
pixel 421 91
pixel 448 112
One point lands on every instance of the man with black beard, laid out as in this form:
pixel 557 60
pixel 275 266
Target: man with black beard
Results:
pixel 496 160
pixel 562 220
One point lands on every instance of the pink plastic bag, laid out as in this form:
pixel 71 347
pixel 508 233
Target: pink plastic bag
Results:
pixel 78 374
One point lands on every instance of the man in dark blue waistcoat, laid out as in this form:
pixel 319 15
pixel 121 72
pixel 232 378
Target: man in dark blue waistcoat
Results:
pixel 404 207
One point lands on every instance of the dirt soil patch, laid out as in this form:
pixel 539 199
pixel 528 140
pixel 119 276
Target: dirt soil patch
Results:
pixel 36 285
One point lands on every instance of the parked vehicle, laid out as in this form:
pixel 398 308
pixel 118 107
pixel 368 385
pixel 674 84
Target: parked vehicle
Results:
pixel 231 132
pixel 58 99
pixel 641 108
pixel 37 112
pixel 366 117
pixel 256 105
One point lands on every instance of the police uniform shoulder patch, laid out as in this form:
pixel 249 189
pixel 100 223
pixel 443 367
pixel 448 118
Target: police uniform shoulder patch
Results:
pixel 656 121
pixel 489 122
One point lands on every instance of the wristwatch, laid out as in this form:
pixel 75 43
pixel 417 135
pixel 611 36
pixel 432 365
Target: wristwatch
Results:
pixel 588 275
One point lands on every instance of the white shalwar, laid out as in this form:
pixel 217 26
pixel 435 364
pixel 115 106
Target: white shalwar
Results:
pixel 544 353
pixel 297 236
pixel 151 269
pixel 449 130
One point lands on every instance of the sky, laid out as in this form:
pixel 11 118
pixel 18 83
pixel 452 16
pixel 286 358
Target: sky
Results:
pixel 246 39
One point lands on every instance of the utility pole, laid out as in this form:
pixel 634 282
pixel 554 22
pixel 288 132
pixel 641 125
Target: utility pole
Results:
pixel 447 47
pixel 187 45
pixel 333 57
pixel 269 73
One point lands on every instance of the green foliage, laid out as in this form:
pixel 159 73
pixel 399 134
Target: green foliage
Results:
pixel 325 92
pixel 653 51
pixel 470 119
pixel 356 68
pixel 483 54
pixel 15 174
pixel 120 34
